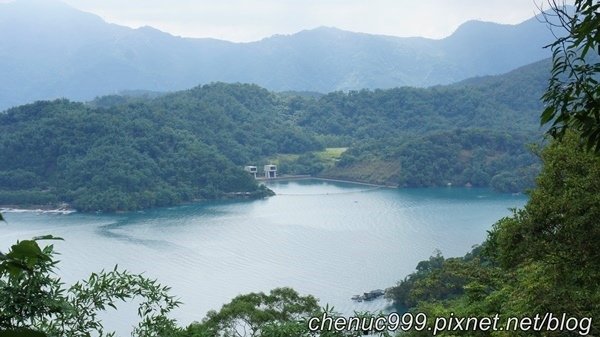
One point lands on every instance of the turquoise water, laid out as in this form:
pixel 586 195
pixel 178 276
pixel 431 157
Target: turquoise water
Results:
pixel 332 240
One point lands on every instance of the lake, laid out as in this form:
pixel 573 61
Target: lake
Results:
pixel 328 239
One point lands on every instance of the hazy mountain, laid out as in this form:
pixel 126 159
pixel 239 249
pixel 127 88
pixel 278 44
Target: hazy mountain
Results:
pixel 50 50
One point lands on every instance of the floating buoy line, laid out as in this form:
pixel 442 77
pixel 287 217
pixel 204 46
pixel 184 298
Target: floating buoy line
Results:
pixel 334 193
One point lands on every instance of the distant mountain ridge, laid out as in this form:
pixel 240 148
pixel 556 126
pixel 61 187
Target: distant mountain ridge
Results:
pixel 51 50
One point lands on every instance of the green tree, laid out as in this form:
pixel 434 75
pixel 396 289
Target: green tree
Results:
pixel 556 235
pixel 542 259
pixel 33 298
pixel 573 93
pixel 255 314
pixel 281 313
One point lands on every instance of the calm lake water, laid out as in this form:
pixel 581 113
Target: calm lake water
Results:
pixel 332 240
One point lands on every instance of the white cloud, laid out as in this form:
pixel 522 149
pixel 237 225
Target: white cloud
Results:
pixel 248 20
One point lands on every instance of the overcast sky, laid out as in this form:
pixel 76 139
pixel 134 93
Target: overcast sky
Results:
pixel 250 20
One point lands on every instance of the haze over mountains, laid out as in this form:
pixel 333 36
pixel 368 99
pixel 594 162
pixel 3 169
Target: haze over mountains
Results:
pixel 51 50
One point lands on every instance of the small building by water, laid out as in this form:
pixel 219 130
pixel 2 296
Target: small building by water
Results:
pixel 270 171
pixel 252 170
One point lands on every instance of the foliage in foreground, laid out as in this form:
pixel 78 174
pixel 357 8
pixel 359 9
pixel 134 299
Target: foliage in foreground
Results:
pixel 544 258
pixel 33 298
pixel 281 313
pixel 573 93
pixel 257 314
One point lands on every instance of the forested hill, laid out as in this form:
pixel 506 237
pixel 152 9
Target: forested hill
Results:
pixel 131 152
pixel 180 147
pixel 50 50
pixel 467 133
pixel 506 102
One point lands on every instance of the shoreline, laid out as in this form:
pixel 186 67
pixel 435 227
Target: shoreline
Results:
pixel 308 177
pixel 44 209
pixel 356 182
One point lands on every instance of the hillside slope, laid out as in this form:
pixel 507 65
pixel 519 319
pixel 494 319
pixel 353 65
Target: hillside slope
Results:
pixel 181 147
pixel 467 133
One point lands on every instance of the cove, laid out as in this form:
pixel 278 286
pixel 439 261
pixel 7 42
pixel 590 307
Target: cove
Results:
pixel 328 239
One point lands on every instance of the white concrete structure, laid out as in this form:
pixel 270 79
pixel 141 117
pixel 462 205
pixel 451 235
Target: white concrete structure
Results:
pixel 252 169
pixel 270 171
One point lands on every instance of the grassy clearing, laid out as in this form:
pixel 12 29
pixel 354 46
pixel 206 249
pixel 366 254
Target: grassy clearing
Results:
pixel 282 158
pixel 330 155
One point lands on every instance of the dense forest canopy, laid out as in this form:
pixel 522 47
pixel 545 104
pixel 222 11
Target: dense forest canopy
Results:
pixel 474 132
pixel 183 147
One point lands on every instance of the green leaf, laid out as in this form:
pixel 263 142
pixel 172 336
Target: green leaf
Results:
pixel 14 268
pixel 547 115
pixel 25 249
